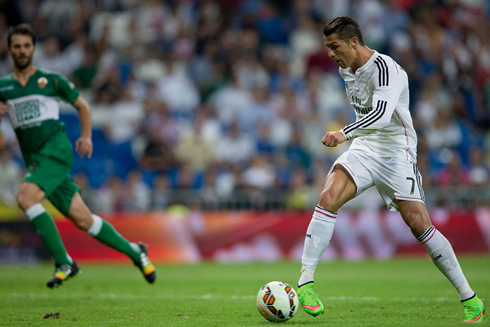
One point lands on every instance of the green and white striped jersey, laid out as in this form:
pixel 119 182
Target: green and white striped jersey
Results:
pixel 33 109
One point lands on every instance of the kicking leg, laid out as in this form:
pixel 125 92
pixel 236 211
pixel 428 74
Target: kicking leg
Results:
pixel 339 188
pixel 442 254
pixel 104 232
pixel 29 199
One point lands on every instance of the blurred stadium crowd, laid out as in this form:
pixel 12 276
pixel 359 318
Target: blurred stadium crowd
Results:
pixel 223 104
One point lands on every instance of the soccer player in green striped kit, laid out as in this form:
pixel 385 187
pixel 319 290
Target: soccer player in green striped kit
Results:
pixel 30 97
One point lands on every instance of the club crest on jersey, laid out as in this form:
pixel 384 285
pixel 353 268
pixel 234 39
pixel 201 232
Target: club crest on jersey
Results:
pixel 366 89
pixel 42 82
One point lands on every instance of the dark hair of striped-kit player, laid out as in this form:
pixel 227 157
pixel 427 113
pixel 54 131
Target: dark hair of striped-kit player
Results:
pixel 345 27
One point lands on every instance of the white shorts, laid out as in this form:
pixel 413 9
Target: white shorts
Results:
pixel 394 178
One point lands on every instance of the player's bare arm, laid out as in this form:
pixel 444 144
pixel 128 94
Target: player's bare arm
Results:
pixel 332 139
pixel 84 146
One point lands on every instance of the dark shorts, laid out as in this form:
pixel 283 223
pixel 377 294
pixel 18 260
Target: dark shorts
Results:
pixel 50 170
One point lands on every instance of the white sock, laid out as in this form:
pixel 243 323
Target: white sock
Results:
pixel 317 238
pixel 94 230
pixel 444 258
pixel 35 211
pixel 135 247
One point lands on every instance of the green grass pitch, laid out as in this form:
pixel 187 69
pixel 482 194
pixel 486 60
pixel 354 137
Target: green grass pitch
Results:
pixel 401 292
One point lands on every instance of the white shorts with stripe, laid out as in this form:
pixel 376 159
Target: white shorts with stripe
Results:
pixel 394 178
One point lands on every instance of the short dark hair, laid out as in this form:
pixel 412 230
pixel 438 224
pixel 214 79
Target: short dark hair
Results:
pixel 345 27
pixel 21 29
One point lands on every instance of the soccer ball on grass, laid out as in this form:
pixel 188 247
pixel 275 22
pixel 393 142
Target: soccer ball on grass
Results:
pixel 277 301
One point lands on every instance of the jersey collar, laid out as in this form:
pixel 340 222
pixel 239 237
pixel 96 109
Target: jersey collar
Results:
pixel 368 63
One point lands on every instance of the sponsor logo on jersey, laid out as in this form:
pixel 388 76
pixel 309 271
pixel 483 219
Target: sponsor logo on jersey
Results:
pixel 27 110
pixel 42 82
pixel 7 88
pixel 361 110
pixel 356 100
pixel 308 235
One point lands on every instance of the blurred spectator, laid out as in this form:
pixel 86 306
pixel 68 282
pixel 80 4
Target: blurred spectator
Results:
pixel 264 144
pixel 108 86
pixel 159 121
pixel 304 41
pixel 56 16
pixel 320 60
pixel 84 74
pixel 298 198
pixel 148 63
pixel 136 194
pixel 186 179
pixel 250 72
pixel 454 174
pixel 228 181
pixel 231 100
pixel 296 154
pixel 260 174
pixel 208 192
pixel 158 155
pixel 50 57
pixel 235 146
pixel 194 151
pixel 12 12
pixel 126 118
pixel 177 89
pixel 28 10
pixel 445 132
pixel 479 173
pixel 281 129
pixel 369 15
pixel 272 27
pixel 109 196
pixel 258 112
pixel 160 193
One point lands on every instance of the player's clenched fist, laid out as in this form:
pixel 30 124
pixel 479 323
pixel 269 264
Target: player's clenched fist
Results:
pixel 332 139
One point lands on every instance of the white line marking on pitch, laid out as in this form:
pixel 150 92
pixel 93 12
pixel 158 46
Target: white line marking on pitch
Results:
pixel 206 297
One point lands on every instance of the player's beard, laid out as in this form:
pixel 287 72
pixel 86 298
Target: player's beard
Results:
pixel 22 66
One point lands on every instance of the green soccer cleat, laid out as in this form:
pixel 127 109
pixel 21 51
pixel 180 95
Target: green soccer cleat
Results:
pixel 309 301
pixel 473 310
pixel 144 264
pixel 61 273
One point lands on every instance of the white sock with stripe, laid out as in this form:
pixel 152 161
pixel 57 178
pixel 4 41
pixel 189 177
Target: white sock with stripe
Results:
pixel 317 238
pixel 444 258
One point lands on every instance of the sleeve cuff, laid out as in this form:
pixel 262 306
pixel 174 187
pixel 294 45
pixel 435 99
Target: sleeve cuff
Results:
pixel 346 137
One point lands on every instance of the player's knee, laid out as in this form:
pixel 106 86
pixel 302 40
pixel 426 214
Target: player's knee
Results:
pixel 24 201
pixel 328 200
pixel 80 215
pixel 29 195
pixel 82 223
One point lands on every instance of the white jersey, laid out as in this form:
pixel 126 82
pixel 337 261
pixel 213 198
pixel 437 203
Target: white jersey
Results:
pixel 378 91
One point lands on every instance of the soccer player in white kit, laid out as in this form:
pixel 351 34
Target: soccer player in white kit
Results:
pixel 382 154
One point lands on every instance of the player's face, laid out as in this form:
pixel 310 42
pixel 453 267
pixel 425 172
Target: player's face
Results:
pixel 22 48
pixel 342 53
